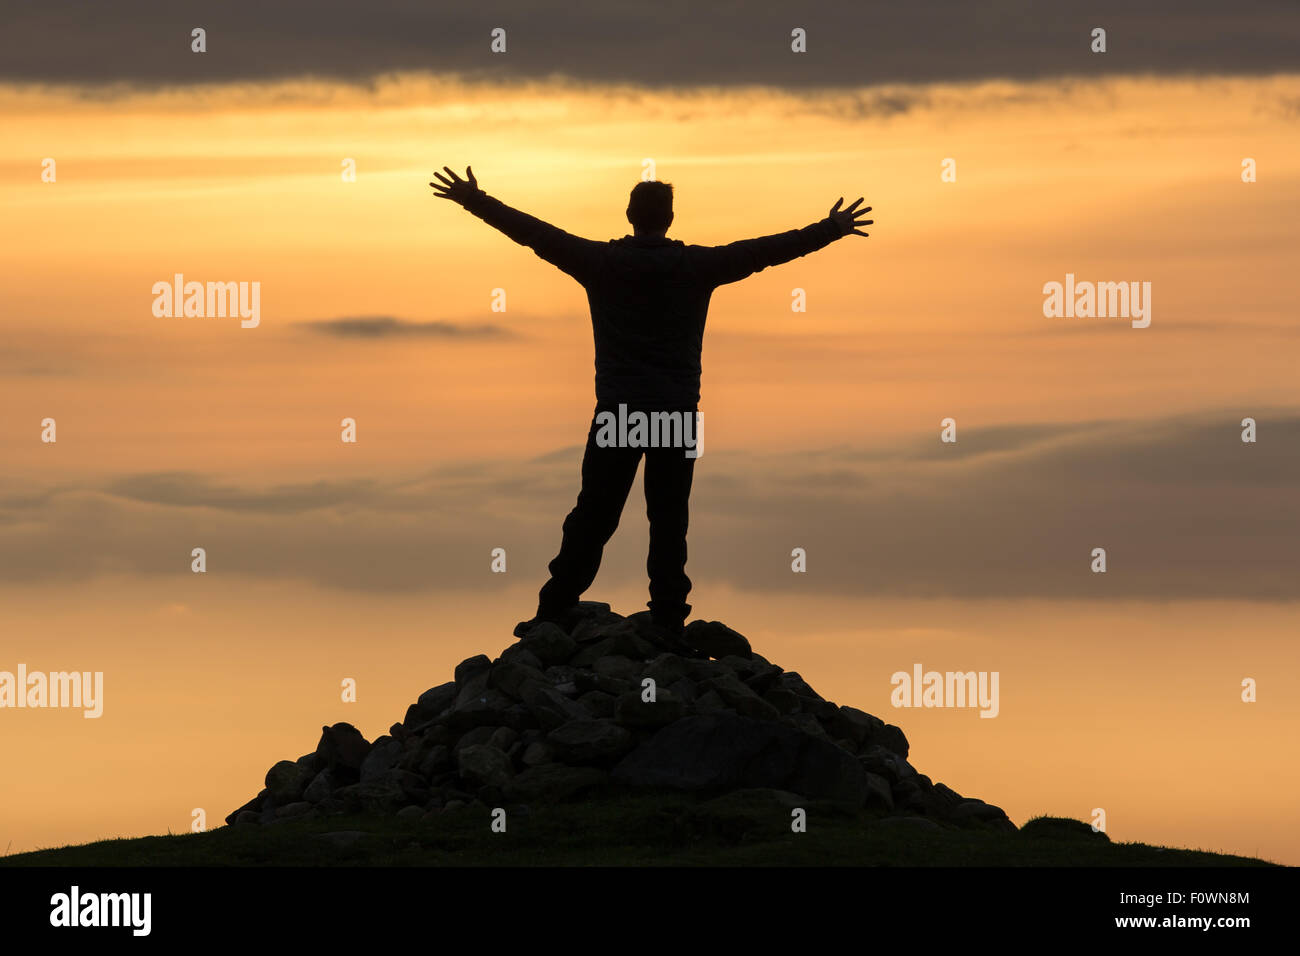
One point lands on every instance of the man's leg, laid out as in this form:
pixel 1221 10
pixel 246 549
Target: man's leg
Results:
pixel 607 476
pixel 668 474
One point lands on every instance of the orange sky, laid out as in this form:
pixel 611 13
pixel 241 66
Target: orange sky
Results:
pixel 209 681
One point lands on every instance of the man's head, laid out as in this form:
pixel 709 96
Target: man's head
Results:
pixel 650 210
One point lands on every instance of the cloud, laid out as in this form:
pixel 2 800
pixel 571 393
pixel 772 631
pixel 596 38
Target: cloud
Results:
pixel 672 43
pixel 1184 509
pixel 189 491
pixel 386 326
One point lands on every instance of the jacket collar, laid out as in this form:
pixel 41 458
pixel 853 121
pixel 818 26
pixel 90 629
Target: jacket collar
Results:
pixel 650 240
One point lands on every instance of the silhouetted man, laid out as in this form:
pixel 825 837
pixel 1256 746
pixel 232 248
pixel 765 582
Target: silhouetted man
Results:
pixel 649 296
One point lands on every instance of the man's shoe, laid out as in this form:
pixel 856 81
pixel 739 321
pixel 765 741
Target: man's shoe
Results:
pixel 523 628
pixel 562 619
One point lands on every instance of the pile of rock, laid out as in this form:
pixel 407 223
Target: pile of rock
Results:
pixel 598 707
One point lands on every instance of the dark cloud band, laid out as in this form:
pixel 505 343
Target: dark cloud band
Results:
pixel 1183 508
pixel 663 44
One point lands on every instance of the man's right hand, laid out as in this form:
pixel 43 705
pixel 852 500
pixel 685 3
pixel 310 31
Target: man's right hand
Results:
pixel 847 219
pixel 455 188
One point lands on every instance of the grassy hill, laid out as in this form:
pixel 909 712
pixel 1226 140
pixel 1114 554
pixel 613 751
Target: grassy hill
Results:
pixel 740 829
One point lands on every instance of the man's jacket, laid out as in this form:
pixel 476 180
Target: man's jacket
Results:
pixel 649 297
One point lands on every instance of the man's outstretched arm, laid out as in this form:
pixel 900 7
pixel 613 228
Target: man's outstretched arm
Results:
pixel 570 253
pixel 735 261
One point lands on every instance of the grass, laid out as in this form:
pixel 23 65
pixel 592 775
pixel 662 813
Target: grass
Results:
pixel 642 830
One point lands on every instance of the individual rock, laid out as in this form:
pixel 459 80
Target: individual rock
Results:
pixel 286 781
pixel 598 704
pixel 763 676
pixel 881 760
pixel 909 795
pixel 291 810
pixel 948 797
pixel 321 786
pixel 636 713
pixel 854 724
pixel 590 741
pixel 742 667
pixel 785 701
pixel 891 738
pixel 376 796
pixel 590 619
pixel 592 610
pixel 252 807
pixel 593 651
pixel 551 708
pixel 621 639
pixel 823 710
pixel 406 781
pixel 382 757
pixel 702 670
pixel 503 738
pixel 723 751
pixel 590 680
pixel 488 708
pixel 666 669
pixel 537 753
pixel 739 698
pixel 476 735
pixel 708 703
pixel 553 782
pixel 436 699
pixel 472 687
pixel 805 722
pixel 312 764
pixel 562 674
pixel 483 765
pixel 342 746
pixel 864 729
pixel 618 668
pixel 791 680
pixel 518 654
pixel 520 718
pixel 716 639
pixel 549 643
pixel 981 813
pixel 684 689
pixel 510 676
pixel 879 796
pixel 633 636
pixel 437 760
pixel 470 667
